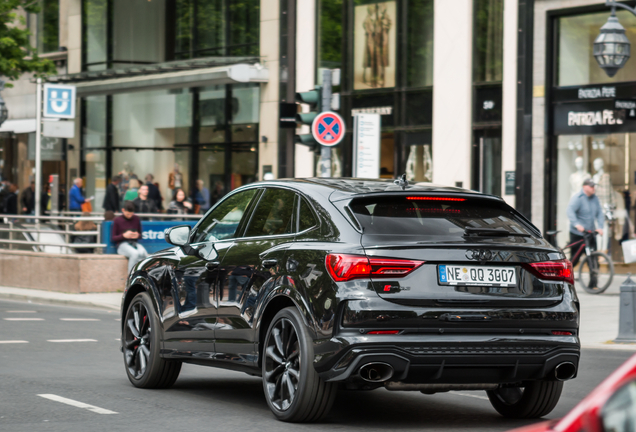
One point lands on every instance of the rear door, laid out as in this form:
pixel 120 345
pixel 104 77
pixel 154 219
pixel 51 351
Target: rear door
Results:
pixel 467 251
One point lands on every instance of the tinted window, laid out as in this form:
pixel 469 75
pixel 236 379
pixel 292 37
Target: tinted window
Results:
pixel 224 220
pixel 443 220
pixel 306 218
pixel 273 216
pixel 619 415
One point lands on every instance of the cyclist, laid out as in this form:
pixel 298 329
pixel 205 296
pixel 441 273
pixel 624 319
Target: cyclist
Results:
pixel 585 209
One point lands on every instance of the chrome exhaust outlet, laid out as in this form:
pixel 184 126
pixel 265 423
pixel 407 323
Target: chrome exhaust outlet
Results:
pixel 376 372
pixel 564 371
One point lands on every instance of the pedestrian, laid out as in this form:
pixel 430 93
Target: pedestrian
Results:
pixel 111 199
pixel 217 194
pixel 4 191
pixel 27 200
pixel 133 190
pixel 143 203
pixel 583 211
pixel 202 197
pixel 126 233
pixel 179 204
pixel 10 202
pixel 76 197
pixel 153 192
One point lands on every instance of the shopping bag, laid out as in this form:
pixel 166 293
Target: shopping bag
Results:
pixel 87 207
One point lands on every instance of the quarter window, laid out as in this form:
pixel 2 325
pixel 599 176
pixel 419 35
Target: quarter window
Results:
pixel 306 218
pixel 224 220
pixel 273 216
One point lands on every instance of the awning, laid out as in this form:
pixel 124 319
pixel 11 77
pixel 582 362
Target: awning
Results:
pixel 18 126
pixel 237 73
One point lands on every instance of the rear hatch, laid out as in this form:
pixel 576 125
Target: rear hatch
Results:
pixel 456 250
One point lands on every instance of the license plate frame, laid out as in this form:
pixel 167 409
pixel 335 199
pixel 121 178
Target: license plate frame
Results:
pixel 469 275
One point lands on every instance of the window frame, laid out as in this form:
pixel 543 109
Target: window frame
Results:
pixel 301 197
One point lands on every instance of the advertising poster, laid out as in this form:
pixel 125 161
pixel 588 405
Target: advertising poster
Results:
pixel 374 52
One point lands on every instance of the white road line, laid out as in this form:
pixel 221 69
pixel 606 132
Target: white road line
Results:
pixel 13 341
pixel 72 340
pixel 79 319
pixel 24 319
pixel 77 404
pixel 18 311
pixel 117 339
pixel 472 395
pixel 117 319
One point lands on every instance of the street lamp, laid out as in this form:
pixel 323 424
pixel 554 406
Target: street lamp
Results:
pixel 4 112
pixel 611 47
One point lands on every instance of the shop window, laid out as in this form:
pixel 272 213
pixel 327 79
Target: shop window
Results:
pixel 419 108
pixel 576 63
pixel 95 44
pixel 610 160
pixel 138 32
pixel 329 34
pixel 48 20
pixel 488 41
pixel 487 104
pixel 420 43
pixel 417 156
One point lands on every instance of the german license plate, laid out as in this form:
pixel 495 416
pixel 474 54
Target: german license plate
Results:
pixel 476 275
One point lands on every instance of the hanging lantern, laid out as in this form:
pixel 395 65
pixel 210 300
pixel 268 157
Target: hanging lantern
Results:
pixel 611 47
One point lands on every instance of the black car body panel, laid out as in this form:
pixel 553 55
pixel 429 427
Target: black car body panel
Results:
pixel 444 334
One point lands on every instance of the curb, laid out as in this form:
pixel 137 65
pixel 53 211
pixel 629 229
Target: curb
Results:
pixel 54 301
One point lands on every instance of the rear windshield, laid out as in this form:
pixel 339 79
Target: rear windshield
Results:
pixel 441 220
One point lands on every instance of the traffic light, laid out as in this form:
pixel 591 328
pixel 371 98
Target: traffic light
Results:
pixel 312 98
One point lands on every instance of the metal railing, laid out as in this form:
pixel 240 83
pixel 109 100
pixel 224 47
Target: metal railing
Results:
pixel 33 229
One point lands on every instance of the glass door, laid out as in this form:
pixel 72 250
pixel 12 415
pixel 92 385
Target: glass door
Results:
pixel 487 161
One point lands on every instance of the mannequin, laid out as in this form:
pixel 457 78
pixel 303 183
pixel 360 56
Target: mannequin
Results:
pixel 175 178
pixel 578 177
pixel 608 196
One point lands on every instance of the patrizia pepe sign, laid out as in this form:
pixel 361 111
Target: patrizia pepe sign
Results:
pixel 593 118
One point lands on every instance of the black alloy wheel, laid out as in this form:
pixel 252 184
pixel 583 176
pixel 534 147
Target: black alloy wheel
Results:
pixel 536 399
pixel 144 367
pixel 293 389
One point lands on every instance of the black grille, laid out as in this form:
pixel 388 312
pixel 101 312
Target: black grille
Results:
pixel 476 350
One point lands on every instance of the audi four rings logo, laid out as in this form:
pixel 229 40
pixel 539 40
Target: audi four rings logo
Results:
pixel 478 255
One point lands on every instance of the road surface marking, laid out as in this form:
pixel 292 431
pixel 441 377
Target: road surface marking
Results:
pixel 17 311
pixel 24 319
pixel 79 319
pixel 77 404
pixel 472 395
pixel 117 319
pixel 13 341
pixel 72 340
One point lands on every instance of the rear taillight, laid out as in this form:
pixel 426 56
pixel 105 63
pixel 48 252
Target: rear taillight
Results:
pixel 561 333
pixel 343 267
pixel 554 270
pixel 383 332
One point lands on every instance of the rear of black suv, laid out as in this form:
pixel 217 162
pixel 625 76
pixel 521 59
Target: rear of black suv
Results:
pixel 468 296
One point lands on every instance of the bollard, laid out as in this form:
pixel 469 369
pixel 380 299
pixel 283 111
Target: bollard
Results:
pixel 627 313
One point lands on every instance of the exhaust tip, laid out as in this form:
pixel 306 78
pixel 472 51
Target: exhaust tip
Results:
pixel 376 372
pixel 564 371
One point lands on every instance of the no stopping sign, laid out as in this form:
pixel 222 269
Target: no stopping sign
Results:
pixel 328 128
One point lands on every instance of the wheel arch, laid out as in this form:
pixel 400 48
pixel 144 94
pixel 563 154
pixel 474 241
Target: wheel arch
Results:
pixel 137 285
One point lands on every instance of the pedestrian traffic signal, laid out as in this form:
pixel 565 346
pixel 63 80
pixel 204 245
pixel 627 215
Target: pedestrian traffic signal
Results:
pixel 312 98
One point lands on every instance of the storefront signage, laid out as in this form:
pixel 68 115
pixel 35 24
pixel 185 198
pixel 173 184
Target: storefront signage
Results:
pixel 593 118
pixel 366 142
pixel 597 92
pixel 597 117
pixel 629 105
pixel 385 110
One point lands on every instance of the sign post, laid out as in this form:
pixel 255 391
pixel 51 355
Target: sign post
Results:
pixel 325 152
pixel 38 152
pixel 366 141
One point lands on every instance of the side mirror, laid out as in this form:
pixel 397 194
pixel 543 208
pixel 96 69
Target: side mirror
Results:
pixel 178 236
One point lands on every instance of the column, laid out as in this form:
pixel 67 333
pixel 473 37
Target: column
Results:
pixel 509 90
pixel 305 74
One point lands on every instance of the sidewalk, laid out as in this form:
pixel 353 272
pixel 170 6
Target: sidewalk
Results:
pixel 599 313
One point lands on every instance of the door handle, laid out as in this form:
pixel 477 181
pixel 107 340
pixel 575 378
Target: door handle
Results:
pixel 269 263
pixel 211 265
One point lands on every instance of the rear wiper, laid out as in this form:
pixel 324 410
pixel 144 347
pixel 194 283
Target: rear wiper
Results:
pixel 492 232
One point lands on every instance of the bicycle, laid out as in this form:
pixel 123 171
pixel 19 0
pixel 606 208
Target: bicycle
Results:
pixel 596 270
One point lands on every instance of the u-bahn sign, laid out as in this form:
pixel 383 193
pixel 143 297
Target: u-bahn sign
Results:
pixel 328 128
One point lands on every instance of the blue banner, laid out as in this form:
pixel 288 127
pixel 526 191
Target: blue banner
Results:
pixel 152 235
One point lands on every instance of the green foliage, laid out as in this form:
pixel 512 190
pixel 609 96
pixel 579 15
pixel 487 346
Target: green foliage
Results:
pixel 330 38
pixel 14 42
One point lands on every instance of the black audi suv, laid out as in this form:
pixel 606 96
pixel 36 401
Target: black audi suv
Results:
pixel 317 285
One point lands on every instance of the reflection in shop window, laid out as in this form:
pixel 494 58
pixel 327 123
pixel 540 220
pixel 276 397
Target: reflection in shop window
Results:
pixel 602 158
pixel 336 162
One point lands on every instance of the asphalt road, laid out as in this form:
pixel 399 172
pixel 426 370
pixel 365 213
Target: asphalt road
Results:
pixel 73 353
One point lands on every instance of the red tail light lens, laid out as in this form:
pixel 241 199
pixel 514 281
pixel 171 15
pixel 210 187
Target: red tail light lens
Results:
pixel 554 270
pixel 383 332
pixel 561 333
pixel 343 267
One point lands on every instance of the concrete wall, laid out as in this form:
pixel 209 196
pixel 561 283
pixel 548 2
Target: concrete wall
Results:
pixel 71 273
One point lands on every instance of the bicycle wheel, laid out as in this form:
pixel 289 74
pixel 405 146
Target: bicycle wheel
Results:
pixel 596 272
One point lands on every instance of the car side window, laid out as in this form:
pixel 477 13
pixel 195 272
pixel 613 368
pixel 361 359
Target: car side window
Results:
pixel 273 215
pixel 306 217
pixel 619 414
pixel 224 220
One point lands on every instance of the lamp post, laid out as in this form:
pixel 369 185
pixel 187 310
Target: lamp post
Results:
pixel 611 47
pixel 4 112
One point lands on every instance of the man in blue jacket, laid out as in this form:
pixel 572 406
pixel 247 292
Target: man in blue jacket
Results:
pixel 76 198
pixel 585 214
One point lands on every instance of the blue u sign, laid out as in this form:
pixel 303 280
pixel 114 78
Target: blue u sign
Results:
pixel 59 101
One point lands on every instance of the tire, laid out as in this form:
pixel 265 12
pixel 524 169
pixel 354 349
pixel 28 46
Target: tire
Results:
pixel 596 273
pixel 293 389
pixel 144 366
pixel 535 400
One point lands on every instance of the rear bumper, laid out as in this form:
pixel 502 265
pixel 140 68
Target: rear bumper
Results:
pixel 455 360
